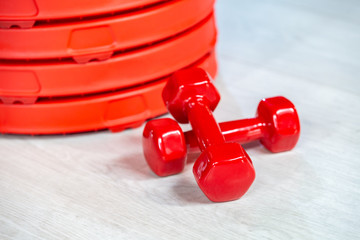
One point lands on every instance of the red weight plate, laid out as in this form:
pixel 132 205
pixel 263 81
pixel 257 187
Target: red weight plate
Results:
pixel 24 13
pixel 115 111
pixel 93 38
pixel 26 81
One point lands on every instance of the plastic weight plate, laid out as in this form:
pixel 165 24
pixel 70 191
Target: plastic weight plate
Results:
pixel 25 82
pixel 115 111
pixel 99 38
pixel 24 13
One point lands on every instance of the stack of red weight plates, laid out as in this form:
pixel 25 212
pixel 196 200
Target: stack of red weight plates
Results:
pixel 72 66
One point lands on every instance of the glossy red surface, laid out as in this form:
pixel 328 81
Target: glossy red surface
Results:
pixel 208 134
pixel 54 9
pixel 276 125
pixel 116 110
pixel 186 87
pixel 67 78
pixel 285 131
pixel 85 40
pixel 281 124
pixel 224 172
pixel 164 146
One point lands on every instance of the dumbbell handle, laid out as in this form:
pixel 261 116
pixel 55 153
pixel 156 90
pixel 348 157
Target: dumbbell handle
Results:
pixel 206 131
pixel 241 131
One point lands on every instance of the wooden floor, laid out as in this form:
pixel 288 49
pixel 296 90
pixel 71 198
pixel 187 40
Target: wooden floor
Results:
pixel 98 186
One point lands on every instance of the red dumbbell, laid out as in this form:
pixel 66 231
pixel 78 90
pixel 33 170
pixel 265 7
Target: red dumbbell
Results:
pixel 223 171
pixel 276 125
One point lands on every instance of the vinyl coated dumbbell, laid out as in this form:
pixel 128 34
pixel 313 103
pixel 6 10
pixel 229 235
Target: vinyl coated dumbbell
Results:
pixel 223 170
pixel 276 125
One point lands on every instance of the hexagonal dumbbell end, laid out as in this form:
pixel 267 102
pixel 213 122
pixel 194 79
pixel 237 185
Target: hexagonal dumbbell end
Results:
pixel 186 84
pixel 282 129
pixel 224 172
pixel 164 146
